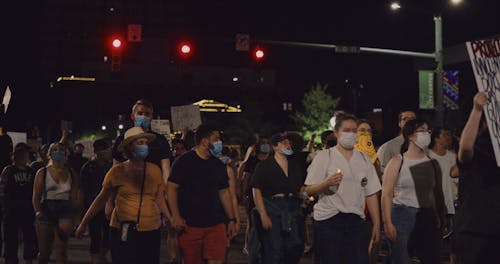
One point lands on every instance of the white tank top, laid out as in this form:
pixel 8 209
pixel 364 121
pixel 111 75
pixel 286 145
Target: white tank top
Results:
pixel 405 192
pixel 56 191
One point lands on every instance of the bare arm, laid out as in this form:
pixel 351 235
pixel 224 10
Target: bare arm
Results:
pixel 323 186
pixel 373 208
pixel 232 191
pixel 162 204
pixel 390 178
pixel 469 134
pixel 310 144
pixel 259 202
pixel 97 205
pixel 165 169
pixel 37 190
pixel 172 199
pixel 225 198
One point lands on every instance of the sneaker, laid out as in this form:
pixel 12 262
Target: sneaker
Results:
pixel 307 249
pixel 245 251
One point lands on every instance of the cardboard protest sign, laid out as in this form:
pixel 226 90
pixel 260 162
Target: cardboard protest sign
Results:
pixel 185 116
pixel 485 60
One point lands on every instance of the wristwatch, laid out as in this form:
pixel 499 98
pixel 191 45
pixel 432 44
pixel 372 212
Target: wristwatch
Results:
pixel 231 220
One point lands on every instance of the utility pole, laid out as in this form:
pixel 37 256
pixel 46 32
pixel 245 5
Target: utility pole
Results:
pixel 438 53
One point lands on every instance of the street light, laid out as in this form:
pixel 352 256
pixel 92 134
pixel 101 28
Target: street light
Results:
pixel 438 57
pixel 103 128
pixel 395 6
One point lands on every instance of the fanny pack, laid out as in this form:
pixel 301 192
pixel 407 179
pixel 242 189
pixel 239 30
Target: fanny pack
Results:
pixel 128 229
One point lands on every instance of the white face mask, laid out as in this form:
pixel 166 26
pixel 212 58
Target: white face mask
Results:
pixel 423 140
pixel 348 139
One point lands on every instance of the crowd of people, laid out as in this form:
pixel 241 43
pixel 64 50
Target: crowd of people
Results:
pixel 401 200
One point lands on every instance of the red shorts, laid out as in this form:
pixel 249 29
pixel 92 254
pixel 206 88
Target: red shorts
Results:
pixel 208 243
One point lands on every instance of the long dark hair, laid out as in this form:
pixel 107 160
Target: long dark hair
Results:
pixel 409 129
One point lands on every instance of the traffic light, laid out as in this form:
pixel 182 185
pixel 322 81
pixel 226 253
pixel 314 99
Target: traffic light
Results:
pixel 259 54
pixel 185 49
pixel 117 44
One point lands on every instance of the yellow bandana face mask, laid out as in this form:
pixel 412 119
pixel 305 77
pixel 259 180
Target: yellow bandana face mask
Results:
pixel 365 145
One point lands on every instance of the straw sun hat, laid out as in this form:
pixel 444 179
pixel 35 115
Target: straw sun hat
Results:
pixel 133 134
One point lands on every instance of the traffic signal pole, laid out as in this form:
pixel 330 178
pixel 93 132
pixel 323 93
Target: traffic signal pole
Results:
pixel 437 55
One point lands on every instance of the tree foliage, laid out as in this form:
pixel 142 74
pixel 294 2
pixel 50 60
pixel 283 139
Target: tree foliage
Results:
pixel 319 107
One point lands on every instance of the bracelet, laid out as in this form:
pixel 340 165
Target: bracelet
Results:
pixel 231 220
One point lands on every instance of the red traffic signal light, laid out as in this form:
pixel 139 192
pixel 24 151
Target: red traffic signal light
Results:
pixel 117 43
pixel 185 49
pixel 259 54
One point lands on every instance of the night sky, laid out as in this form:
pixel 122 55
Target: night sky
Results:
pixel 47 39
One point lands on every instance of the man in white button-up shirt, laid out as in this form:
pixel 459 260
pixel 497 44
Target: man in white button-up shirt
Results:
pixel 345 180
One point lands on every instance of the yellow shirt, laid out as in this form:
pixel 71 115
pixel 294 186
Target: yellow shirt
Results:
pixel 128 191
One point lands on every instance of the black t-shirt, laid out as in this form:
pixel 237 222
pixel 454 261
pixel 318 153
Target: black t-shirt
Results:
pixel 251 164
pixel 199 183
pixel 17 186
pixel 479 192
pixel 91 177
pixel 270 179
pixel 76 161
pixel 159 149
pixel 5 151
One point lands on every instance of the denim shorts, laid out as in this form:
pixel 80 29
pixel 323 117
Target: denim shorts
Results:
pixel 54 211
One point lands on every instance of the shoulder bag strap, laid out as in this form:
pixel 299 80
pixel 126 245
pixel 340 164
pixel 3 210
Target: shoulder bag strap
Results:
pixel 142 192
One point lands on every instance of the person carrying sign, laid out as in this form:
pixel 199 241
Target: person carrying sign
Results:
pixel 477 230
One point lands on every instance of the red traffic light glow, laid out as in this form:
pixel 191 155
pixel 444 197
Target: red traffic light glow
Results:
pixel 259 54
pixel 117 43
pixel 185 49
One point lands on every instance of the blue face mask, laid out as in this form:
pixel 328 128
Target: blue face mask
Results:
pixel 217 149
pixel 142 121
pixel 141 151
pixel 58 157
pixel 225 159
pixel 286 152
pixel 265 148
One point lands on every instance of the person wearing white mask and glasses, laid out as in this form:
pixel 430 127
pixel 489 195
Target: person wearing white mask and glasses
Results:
pixel 412 198
pixel 345 180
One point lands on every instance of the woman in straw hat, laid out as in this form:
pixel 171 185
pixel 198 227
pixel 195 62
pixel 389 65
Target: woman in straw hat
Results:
pixel 139 187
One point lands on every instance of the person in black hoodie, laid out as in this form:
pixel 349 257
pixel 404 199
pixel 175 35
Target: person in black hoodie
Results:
pixel 17 182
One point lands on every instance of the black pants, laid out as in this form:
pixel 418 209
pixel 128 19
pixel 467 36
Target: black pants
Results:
pixel 425 238
pixel 141 247
pixel 99 233
pixel 25 222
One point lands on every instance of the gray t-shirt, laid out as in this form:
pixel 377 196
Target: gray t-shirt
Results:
pixel 388 150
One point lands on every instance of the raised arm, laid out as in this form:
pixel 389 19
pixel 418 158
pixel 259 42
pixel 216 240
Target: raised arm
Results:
pixel 469 134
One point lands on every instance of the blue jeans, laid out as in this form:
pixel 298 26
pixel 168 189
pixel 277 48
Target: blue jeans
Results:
pixel 281 244
pixel 342 234
pixel 403 218
pixel 416 232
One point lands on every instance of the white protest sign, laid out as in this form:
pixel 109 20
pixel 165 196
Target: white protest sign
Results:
pixel 18 137
pixel 6 99
pixel 185 116
pixel 88 147
pixel 485 60
pixel 161 126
